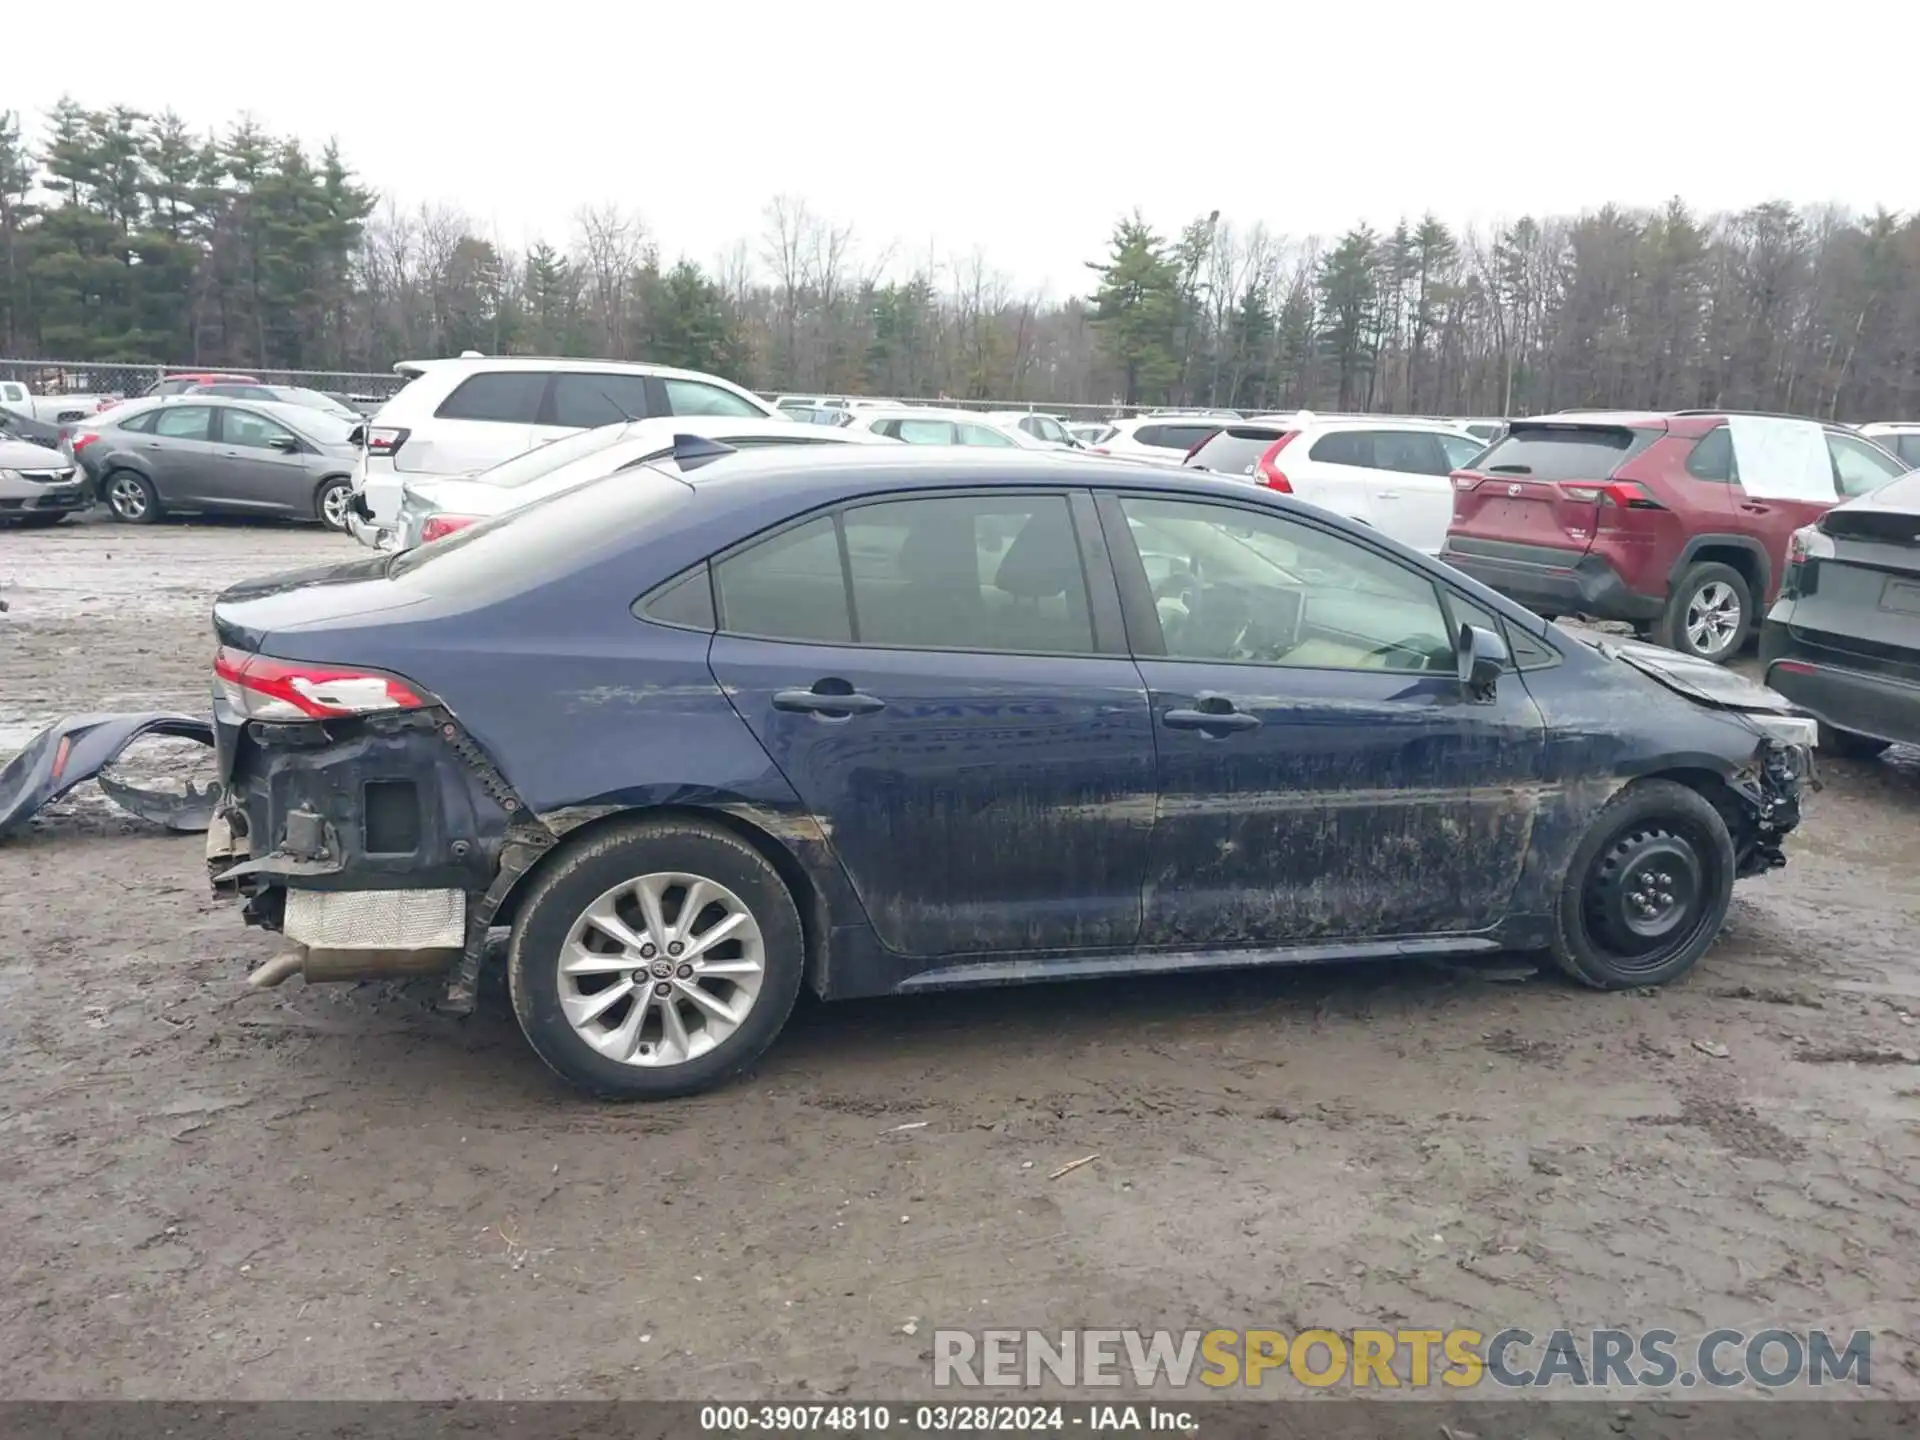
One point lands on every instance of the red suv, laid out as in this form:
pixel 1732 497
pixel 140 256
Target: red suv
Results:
pixel 1639 517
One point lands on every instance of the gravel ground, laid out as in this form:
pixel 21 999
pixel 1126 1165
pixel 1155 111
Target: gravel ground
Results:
pixel 335 1192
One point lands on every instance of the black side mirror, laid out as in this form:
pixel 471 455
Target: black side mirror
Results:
pixel 285 444
pixel 1482 655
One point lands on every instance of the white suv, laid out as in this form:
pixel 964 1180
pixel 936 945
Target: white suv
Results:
pixel 458 416
pixel 1392 472
pixel 1902 437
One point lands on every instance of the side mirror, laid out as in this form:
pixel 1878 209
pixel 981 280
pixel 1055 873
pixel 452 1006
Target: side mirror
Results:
pixel 1482 656
pixel 285 444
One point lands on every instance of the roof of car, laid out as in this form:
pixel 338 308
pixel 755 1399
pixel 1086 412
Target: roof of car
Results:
pixel 910 467
pixel 555 362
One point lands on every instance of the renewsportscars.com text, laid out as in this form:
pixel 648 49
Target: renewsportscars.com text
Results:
pixel 1380 1359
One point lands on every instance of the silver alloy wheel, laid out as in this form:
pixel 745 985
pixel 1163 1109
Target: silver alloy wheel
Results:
pixel 1713 617
pixel 333 506
pixel 661 969
pixel 127 497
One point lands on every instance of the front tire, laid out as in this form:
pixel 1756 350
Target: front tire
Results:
pixel 1647 890
pixel 655 959
pixel 1850 746
pixel 330 503
pixel 1709 615
pixel 131 498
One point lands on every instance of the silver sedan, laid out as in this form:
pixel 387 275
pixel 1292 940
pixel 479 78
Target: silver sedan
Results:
pixel 211 455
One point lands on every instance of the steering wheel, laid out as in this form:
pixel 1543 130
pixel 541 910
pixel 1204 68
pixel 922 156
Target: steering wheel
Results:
pixel 1377 658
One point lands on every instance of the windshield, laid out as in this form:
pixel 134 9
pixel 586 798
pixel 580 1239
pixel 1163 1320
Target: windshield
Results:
pixel 324 426
pixel 545 459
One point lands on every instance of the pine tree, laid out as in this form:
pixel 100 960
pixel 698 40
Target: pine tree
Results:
pixel 1135 307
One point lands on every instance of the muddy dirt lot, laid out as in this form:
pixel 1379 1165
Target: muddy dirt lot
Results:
pixel 336 1192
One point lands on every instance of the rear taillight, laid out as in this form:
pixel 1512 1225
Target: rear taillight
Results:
pixel 385 440
pixel 1809 543
pixel 1267 469
pixel 1623 494
pixel 1099 450
pixel 1462 480
pixel 83 438
pixel 263 688
pixel 438 525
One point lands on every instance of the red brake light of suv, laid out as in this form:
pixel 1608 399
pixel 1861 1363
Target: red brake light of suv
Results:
pixel 1622 494
pixel 1268 472
pixel 263 688
pixel 438 525
pixel 385 440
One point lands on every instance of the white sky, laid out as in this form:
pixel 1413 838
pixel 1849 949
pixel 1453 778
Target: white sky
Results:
pixel 1027 128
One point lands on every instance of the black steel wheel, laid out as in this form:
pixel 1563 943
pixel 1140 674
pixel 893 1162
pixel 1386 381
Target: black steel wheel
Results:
pixel 1648 888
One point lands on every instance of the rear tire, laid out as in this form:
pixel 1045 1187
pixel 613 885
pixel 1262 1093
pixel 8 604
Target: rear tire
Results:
pixel 1850 746
pixel 130 498
pixel 1709 615
pixel 588 960
pixel 330 503
pixel 1647 890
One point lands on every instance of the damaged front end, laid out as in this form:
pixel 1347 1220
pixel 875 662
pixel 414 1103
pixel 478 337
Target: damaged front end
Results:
pixel 369 834
pixel 1770 784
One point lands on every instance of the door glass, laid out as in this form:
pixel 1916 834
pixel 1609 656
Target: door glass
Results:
pixel 243 427
pixel 1343 447
pixel 1908 448
pixel 981 435
pixel 1859 467
pixel 1411 452
pixel 789 587
pixel 1460 450
pixel 1712 457
pixel 184 422
pixel 691 397
pixel 1251 588
pixel 922 432
pixel 969 573
pixel 509 396
pixel 582 402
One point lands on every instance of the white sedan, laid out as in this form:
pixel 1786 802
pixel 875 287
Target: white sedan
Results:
pixel 434 507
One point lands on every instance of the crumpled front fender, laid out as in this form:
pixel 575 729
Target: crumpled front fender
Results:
pixel 77 749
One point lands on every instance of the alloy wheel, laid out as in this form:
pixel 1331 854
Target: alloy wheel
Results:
pixel 1713 617
pixel 333 506
pixel 661 969
pixel 127 497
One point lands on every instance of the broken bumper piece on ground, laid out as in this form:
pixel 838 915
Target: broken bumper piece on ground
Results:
pixel 78 749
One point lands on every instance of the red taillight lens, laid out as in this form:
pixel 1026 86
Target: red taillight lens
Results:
pixel 1099 450
pixel 1622 494
pixel 1463 481
pixel 438 525
pixel 263 688
pixel 385 440
pixel 83 438
pixel 1268 471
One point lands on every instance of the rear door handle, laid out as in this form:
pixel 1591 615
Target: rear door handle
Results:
pixel 819 702
pixel 1753 509
pixel 1210 714
pixel 1389 495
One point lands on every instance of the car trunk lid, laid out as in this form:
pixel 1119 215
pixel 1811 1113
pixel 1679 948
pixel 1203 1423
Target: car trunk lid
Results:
pixel 1863 595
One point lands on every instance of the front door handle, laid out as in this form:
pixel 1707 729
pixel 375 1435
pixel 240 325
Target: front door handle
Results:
pixel 1753 509
pixel 1211 714
pixel 827 702
pixel 1388 495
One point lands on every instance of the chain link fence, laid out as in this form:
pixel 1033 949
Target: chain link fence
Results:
pixel 84 379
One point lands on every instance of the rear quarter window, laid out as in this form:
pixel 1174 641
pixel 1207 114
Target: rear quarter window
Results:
pixel 1234 450
pixel 1570 453
pixel 510 397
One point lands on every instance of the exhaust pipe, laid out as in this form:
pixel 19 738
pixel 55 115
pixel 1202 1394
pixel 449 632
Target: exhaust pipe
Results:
pixel 316 966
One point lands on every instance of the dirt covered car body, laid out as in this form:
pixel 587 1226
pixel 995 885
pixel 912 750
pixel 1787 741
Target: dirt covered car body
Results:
pixel 878 723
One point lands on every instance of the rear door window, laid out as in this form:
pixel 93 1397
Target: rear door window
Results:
pixel 1411 452
pixel 184 422
pixel 1343 447
pixel 921 432
pixel 1860 468
pixel 509 397
pixel 1565 452
pixel 1907 447
pixel 695 397
pixel 788 587
pixel 981 435
pixel 583 402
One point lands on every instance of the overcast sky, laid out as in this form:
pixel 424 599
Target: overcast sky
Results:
pixel 1027 128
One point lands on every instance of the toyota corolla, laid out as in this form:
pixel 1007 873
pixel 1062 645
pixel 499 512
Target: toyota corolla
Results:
pixel 877 722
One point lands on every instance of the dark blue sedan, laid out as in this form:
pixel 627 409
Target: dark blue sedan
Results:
pixel 700 734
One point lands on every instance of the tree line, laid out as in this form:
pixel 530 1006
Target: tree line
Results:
pixel 127 237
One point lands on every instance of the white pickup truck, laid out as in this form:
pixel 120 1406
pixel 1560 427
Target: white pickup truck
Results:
pixel 62 409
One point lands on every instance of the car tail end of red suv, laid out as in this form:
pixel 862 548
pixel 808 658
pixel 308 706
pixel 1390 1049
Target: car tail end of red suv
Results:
pixel 1564 516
